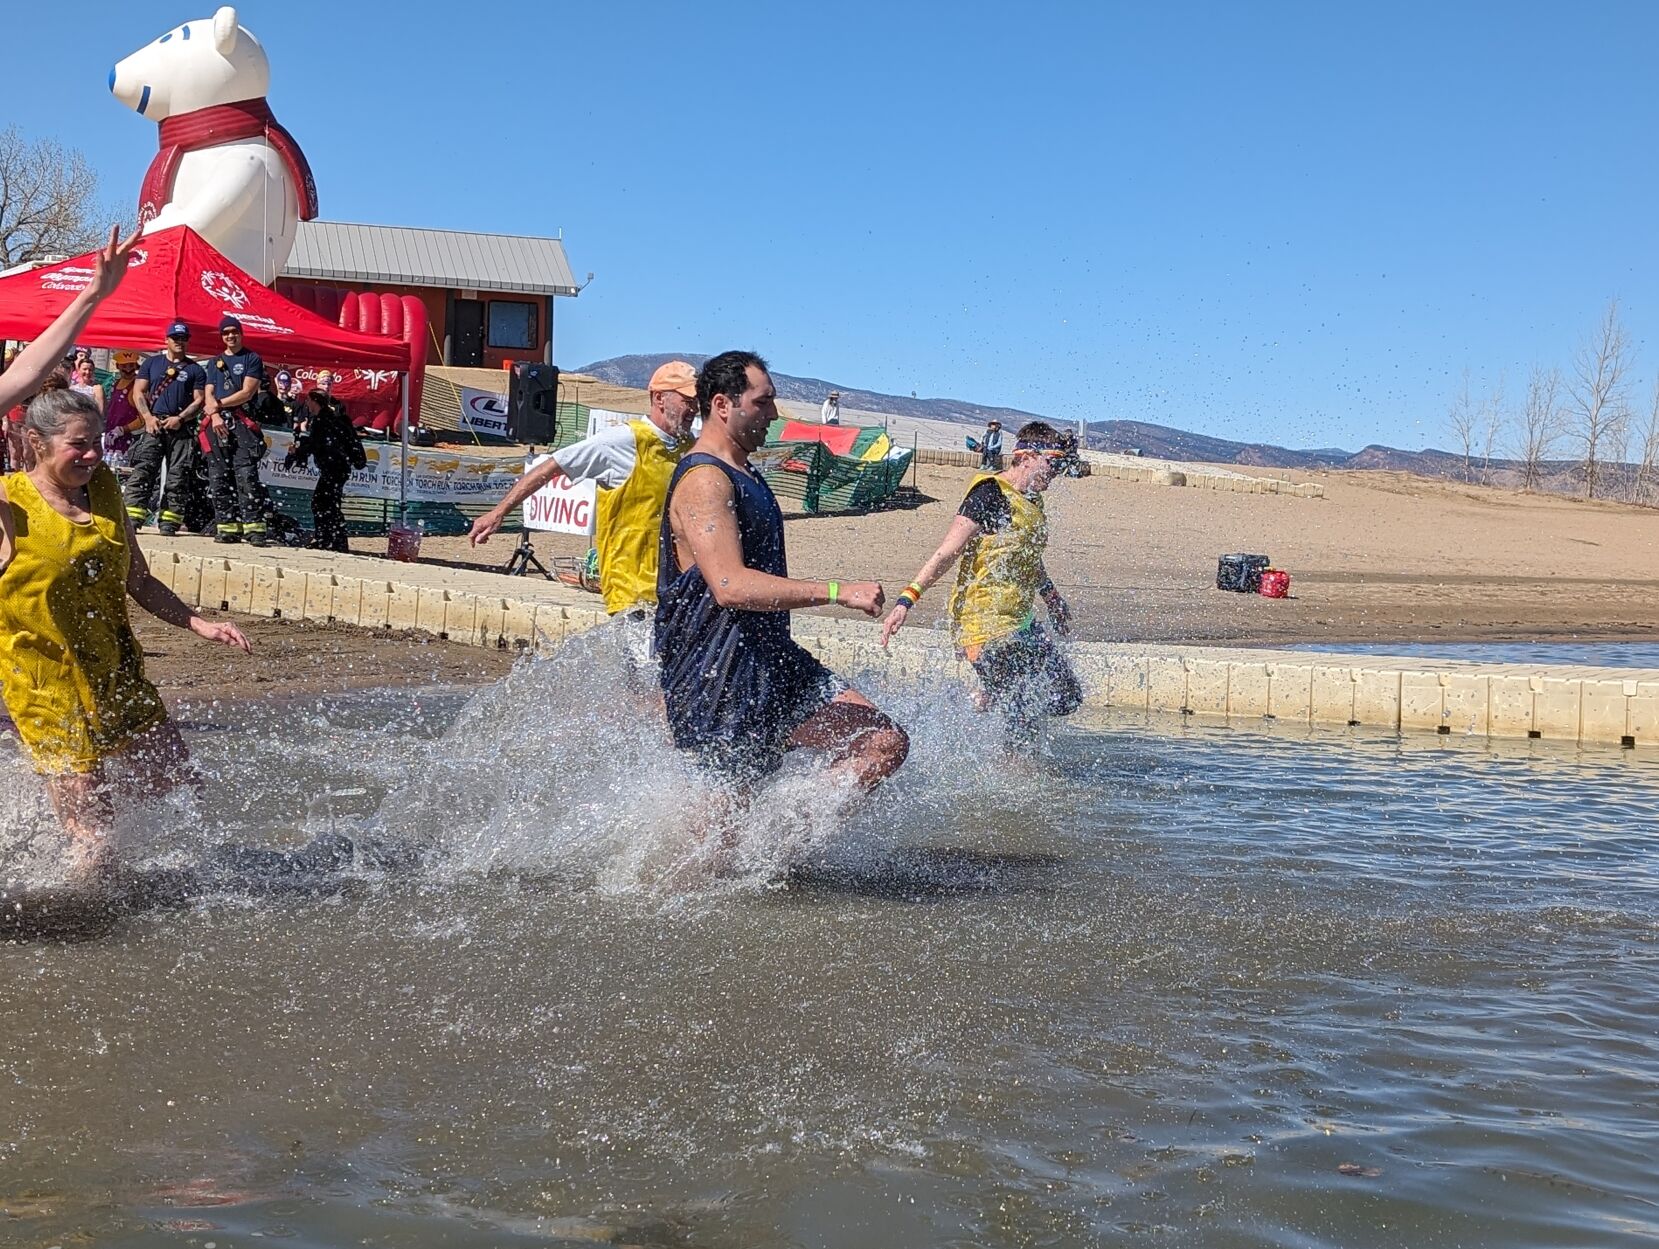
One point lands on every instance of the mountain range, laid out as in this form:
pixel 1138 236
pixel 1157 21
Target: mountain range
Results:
pixel 1144 438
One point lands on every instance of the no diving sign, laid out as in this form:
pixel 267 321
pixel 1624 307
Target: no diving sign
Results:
pixel 562 505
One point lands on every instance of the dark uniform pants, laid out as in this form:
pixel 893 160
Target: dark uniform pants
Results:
pixel 327 516
pixel 239 500
pixel 173 447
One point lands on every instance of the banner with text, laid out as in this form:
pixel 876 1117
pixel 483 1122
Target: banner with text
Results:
pixel 601 418
pixel 483 412
pixel 435 476
pixel 562 505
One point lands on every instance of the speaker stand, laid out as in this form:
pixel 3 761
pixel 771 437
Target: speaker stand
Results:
pixel 523 559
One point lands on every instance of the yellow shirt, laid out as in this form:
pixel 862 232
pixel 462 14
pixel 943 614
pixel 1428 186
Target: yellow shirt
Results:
pixel 629 522
pixel 997 579
pixel 71 671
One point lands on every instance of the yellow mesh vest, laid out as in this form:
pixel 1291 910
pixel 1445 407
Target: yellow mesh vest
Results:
pixel 996 581
pixel 70 669
pixel 629 519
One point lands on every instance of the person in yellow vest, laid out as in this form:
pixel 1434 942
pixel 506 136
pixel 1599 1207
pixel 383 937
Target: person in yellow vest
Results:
pixel 999 534
pixel 632 464
pixel 71 671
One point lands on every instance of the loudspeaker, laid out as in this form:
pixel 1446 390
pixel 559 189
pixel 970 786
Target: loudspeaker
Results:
pixel 532 403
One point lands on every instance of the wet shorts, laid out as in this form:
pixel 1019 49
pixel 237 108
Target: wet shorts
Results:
pixel 801 688
pixel 1026 677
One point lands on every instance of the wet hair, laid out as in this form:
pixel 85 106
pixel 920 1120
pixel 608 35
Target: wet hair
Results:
pixel 726 374
pixel 54 410
pixel 1038 431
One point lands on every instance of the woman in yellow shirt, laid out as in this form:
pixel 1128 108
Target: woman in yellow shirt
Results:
pixel 71 671
pixel 999 534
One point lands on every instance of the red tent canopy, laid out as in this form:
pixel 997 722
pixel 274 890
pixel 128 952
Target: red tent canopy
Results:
pixel 838 438
pixel 176 275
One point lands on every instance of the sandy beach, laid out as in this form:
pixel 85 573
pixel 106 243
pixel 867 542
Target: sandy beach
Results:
pixel 1383 557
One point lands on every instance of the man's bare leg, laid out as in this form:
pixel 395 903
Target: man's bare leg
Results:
pixel 866 744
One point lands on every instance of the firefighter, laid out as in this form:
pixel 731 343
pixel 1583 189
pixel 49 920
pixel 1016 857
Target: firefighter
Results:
pixel 168 394
pixel 232 440
pixel 324 433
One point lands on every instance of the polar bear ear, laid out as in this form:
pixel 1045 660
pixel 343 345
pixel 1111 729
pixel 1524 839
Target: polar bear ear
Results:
pixel 224 30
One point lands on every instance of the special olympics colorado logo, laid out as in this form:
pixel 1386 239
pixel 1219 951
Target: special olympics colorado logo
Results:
pixel 220 287
pixel 138 257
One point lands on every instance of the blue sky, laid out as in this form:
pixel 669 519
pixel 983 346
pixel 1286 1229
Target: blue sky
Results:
pixel 1293 222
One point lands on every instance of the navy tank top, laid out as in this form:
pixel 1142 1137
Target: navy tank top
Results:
pixel 734 681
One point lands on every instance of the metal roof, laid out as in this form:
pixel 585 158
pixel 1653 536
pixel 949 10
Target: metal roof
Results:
pixel 402 256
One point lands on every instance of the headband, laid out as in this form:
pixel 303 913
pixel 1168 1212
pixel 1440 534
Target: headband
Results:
pixel 1036 444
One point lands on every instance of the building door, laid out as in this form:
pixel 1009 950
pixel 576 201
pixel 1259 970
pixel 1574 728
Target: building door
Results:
pixel 467 334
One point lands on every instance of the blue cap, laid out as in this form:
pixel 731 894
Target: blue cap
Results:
pixel 178 330
pixel 228 322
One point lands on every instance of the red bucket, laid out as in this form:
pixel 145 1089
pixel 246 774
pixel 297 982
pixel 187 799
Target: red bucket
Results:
pixel 1275 583
pixel 403 542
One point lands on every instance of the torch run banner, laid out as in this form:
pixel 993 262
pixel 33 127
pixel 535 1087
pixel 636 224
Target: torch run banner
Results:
pixel 434 476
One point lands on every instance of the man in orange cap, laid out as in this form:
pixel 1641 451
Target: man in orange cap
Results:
pixel 632 464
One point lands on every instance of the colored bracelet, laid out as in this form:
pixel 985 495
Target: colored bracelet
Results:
pixel 915 593
pixel 834 591
pixel 904 599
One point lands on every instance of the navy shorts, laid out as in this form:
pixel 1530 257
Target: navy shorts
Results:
pixel 799 688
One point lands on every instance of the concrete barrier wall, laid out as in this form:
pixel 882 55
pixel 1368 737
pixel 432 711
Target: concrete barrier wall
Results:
pixel 1394 694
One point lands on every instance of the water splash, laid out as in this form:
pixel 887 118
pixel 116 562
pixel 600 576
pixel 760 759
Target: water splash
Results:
pixel 566 766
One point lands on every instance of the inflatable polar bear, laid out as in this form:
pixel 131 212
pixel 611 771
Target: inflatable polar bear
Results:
pixel 226 168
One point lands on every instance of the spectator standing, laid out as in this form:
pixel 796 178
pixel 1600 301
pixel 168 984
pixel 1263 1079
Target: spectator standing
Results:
pixel 121 419
pixel 325 435
pixel 830 413
pixel 85 380
pixel 168 392
pixel 990 448
pixel 233 442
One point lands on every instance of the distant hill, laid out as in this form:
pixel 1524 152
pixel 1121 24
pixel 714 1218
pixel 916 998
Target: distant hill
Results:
pixel 635 371
pixel 1159 441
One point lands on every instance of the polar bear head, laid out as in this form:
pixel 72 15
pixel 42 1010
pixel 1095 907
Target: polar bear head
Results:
pixel 201 63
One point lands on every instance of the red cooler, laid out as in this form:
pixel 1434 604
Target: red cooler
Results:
pixel 1275 583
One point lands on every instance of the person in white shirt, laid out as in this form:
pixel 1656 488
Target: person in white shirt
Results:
pixel 830 413
pixel 631 464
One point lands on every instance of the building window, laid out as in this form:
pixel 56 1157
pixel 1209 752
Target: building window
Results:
pixel 512 325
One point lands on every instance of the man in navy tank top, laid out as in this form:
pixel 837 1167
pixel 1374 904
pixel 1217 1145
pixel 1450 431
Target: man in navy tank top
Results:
pixel 739 690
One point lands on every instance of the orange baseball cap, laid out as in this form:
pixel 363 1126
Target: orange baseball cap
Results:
pixel 675 375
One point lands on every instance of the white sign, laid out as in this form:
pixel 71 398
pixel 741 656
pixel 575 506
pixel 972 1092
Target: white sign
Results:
pixel 483 413
pixel 562 505
pixel 599 419
pixel 435 475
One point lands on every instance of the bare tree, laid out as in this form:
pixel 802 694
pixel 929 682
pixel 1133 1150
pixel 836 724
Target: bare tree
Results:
pixel 1464 420
pixel 1492 424
pixel 1540 425
pixel 48 200
pixel 1642 488
pixel 1597 403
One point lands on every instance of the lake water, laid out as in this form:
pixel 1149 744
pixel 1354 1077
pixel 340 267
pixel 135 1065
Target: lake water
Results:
pixel 1181 984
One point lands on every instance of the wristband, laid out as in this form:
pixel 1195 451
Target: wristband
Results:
pixel 904 599
pixel 915 593
pixel 834 591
